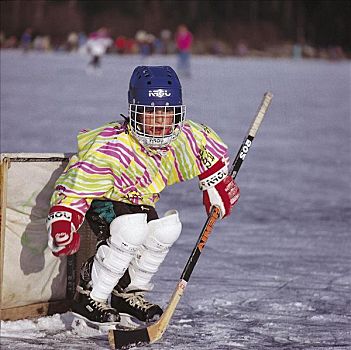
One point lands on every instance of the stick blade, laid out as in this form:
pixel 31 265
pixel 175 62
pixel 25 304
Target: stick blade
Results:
pixel 122 339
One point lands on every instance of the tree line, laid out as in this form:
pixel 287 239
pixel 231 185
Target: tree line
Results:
pixel 321 23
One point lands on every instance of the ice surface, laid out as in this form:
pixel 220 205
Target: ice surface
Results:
pixel 276 274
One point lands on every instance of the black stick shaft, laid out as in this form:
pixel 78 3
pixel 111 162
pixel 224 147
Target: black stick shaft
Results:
pixel 215 211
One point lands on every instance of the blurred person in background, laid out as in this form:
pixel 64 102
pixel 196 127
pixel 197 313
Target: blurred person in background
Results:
pixel 184 40
pixel 2 39
pixel 97 45
pixel 143 41
pixel 242 48
pixel 26 40
pixel 82 40
pixel 167 42
pixel 72 42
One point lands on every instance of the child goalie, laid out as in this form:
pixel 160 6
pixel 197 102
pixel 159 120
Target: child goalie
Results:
pixel 114 182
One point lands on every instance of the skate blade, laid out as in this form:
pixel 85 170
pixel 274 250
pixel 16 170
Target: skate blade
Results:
pixel 80 322
pixel 126 322
pixel 129 322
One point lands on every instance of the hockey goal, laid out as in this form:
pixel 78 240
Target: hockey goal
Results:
pixel 32 281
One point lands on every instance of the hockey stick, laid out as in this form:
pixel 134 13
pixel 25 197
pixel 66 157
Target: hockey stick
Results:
pixel 120 339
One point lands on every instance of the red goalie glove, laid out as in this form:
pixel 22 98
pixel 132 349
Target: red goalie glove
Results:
pixel 219 188
pixel 62 225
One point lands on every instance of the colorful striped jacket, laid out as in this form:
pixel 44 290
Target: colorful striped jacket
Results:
pixel 111 164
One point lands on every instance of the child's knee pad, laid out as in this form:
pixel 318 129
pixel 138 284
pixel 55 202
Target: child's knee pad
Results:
pixel 163 233
pixel 128 232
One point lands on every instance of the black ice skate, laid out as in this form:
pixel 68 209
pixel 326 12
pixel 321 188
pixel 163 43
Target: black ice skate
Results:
pixel 93 311
pixel 133 303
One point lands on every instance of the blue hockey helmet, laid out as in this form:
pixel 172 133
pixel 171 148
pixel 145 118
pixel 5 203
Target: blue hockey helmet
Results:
pixel 155 86
pixel 156 112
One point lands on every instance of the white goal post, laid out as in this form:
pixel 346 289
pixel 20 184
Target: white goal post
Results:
pixel 32 281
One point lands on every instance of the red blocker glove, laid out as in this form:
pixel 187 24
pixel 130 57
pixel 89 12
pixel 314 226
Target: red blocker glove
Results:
pixel 219 188
pixel 62 225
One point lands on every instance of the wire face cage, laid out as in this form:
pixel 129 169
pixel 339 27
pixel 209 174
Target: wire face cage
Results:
pixel 156 126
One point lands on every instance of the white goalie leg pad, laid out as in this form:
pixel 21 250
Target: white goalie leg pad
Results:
pixel 162 234
pixel 128 232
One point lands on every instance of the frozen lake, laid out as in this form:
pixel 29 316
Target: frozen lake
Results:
pixel 277 273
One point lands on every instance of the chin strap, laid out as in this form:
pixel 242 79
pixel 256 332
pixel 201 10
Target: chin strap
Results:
pixel 124 117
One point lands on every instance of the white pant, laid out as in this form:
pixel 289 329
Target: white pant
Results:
pixel 133 244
